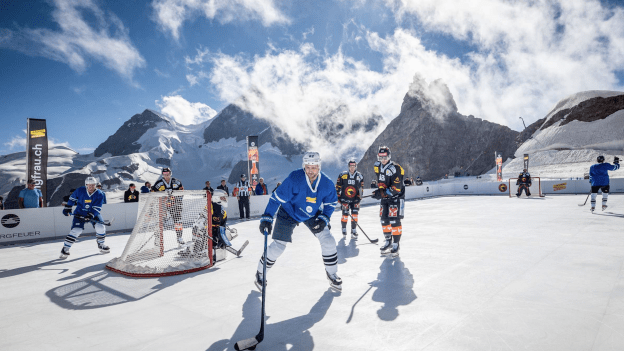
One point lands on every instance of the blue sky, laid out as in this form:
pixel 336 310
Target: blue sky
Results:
pixel 88 66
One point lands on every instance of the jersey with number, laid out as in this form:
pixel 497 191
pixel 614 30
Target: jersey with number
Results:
pixel 390 179
pixel 349 187
pixel 85 202
pixel 162 185
pixel 302 199
pixel 524 179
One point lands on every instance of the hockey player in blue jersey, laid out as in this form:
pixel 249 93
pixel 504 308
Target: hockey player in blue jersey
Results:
pixel 88 201
pixel 599 179
pixel 307 196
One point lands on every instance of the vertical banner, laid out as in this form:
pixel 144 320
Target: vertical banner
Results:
pixel 499 168
pixel 37 154
pixel 526 162
pixel 253 168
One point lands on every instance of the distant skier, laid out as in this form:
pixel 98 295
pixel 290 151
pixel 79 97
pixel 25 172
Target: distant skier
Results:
pixel 307 196
pixel 524 183
pixel 391 191
pixel 599 179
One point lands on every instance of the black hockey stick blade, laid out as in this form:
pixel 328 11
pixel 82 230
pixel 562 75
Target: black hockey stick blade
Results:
pixel 247 344
pixel 373 241
pixel 583 204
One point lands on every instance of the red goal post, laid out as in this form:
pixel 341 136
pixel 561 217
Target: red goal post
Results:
pixel 535 188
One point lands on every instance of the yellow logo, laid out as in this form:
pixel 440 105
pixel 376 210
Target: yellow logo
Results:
pixel 311 199
pixel 376 169
pixel 162 187
pixel 558 187
pixel 37 133
pixel 87 201
pixel 344 176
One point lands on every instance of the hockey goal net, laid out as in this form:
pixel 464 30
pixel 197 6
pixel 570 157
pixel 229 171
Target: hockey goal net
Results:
pixel 171 236
pixel 535 189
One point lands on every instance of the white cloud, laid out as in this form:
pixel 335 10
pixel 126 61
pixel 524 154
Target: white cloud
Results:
pixel 185 112
pixel 77 41
pixel 528 55
pixel 18 143
pixel 171 14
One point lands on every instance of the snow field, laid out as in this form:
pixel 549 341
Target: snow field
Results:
pixel 475 273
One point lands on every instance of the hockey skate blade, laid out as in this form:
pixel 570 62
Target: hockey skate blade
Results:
pixel 247 344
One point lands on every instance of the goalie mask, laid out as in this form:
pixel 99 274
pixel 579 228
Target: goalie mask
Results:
pixel 219 197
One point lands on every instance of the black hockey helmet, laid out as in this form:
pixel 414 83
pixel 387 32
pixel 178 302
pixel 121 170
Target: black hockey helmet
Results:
pixel 383 153
pixel 600 159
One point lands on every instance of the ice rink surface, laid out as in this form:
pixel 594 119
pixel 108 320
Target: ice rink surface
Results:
pixel 475 273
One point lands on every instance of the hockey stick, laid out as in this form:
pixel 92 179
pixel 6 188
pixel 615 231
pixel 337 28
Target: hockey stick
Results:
pixel 585 200
pixel 237 253
pixel 107 223
pixel 374 241
pixel 251 343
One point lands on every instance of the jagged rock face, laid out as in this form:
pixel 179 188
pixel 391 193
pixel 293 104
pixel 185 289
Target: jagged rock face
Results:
pixel 587 111
pixel 430 138
pixel 124 141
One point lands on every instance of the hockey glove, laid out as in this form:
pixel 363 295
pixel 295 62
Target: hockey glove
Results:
pixel 67 210
pixel 616 160
pixel 266 222
pixel 89 217
pixel 319 223
pixel 377 194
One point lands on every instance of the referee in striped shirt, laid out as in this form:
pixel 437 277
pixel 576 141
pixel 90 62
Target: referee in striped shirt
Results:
pixel 243 196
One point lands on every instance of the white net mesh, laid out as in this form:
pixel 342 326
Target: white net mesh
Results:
pixel 170 235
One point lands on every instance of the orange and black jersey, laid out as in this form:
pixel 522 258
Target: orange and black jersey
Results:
pixel 349 187
pixel 219 217
pixel 524 178
pixel 390 177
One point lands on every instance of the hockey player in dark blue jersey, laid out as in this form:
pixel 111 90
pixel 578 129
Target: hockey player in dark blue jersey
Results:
pixel 307 196
pixel 599 179
pixel 88 201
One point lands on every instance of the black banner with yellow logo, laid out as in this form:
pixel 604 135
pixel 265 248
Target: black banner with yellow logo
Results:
pixel 253 165
pixel 526 162
pixel 37 154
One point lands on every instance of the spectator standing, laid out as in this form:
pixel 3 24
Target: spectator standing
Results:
pixel 407 181
pixel 208 187
pixel 373 184
pixel 146 188
pixel 99 187
pixel 418 181
pixel 224 187
pixel 243 191
pixel 30 197
pixel 261 188
pixel 131 195
pixel 277 186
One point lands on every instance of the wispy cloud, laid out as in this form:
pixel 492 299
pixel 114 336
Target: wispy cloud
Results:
pixel 171 14
pixel 18 143
pixel 161 74
pixel 185 112
pixel 77 40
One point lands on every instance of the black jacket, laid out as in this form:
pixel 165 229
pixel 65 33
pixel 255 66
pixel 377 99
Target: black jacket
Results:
pixel 131 196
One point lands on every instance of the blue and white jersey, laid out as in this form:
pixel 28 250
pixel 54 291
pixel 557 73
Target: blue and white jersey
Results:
pixel 86 203
pixel 301 199
pixel 599 173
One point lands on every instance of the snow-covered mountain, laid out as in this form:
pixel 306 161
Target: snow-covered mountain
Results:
pixel 566 142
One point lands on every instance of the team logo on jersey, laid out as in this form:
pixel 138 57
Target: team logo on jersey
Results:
pixel 350 192
pixel 397 180
pixel 309 209
pixel 376 169
pixel 344 176
pixel 311 200
pixel 87 201
pixel 162 187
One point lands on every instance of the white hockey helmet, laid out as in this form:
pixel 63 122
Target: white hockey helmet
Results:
pixel 220 197
pixel 383 153
pixel 90 180
pixel 312 158
pixel 352 160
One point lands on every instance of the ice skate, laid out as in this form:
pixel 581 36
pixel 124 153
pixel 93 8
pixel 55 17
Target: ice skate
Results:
pixel 259 281
pixel 334 281
pixel 394 252
pixel 64 253
pixel 344 231
pixel 592 209
pixel 385 249
pixel 103 248
pixel 354 234
pixel 604 207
